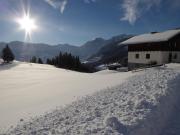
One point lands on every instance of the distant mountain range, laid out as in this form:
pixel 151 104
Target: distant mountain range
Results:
pixel 112 52
pixel 24 51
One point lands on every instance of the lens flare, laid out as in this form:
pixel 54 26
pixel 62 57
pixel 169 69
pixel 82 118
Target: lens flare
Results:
pixel 27 24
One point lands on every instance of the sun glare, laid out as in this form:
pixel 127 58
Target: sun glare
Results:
pixel 27 24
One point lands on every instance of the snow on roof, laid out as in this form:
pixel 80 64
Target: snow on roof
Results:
pixel 152 37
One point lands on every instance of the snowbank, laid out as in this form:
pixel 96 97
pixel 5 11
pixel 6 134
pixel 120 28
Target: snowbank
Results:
pixel 29 90
pixel 140 106
pixel 1 61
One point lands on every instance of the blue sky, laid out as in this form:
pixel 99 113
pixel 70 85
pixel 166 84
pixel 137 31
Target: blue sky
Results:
pixel 77 21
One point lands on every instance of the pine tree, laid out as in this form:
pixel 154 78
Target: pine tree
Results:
pixel 33 59
pixel 7 54
pixel 48 61
pixel 40 61
pixel 67 61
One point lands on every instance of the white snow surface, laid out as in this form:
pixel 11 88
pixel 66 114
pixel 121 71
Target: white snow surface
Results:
pixel 28 90
pixel 145 104
pixel 156 37
pixel 1 61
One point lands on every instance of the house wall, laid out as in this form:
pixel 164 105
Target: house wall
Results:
pixel 177 53
pixel 161 57
pixel 171 45
pixel 158 56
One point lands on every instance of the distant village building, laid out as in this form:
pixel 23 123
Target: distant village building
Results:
pixel 153 48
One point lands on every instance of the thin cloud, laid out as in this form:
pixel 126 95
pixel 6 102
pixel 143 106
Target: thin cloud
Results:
pixel 58 4
pixel 61 4
pixel 133 9
pixel 89 1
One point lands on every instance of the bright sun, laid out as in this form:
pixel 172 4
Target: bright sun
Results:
pixel 28 24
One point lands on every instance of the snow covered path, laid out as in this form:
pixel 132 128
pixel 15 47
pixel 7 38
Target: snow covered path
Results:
pixel 144 105
pixel 29 90
pixel 173 124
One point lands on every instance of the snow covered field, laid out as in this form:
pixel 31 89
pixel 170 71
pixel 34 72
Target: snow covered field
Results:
pixel 147 103
pixel 29 90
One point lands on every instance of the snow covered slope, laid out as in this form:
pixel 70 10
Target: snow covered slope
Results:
pixel 29 90
pixel 143 105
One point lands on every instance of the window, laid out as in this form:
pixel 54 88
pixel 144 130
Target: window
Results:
pixel 175 56
pixel 137 56
pixel 170 57
pixel 148 56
